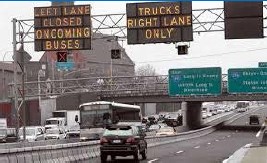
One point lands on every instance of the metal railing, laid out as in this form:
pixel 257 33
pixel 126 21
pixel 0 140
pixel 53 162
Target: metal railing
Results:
pixel 104 86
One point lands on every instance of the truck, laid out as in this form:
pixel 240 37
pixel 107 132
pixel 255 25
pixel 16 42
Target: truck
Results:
pixel 66 120
pixel 3 130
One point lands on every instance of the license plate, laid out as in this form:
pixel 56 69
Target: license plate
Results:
pixel 116 141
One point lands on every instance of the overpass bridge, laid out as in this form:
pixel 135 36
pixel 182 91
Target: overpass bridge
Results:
pixel 70 93
pixel 128 89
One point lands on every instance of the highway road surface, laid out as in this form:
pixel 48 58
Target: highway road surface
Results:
pixel 212 148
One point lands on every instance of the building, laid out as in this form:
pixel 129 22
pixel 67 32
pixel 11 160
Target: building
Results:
pixel 90 63
pixel 7 77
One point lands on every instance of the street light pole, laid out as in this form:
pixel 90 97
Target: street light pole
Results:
pixel 14 42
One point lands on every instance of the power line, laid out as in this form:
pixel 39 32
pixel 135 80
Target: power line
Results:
pixel 210 55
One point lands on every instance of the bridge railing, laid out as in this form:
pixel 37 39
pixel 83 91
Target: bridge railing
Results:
pixel 103 85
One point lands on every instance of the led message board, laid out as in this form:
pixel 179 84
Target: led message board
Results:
pixel 62 28
pixel 159 22
pixel 243 20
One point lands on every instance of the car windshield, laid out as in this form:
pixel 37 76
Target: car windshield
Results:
pixel 52 131
pixel 118 132
pixel 52 122
pixel 28 131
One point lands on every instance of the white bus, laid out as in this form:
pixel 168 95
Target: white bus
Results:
pixel 95 116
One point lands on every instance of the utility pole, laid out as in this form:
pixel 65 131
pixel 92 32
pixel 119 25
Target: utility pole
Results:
pixel 14 21
pixel 22 66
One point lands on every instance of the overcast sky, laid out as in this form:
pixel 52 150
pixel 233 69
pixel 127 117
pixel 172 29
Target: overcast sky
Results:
pixel 207 50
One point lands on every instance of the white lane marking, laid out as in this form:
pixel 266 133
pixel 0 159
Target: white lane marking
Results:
pixel 260 131
pixel 152 160
pixel 197 147
pixel 216 140
pixel 209 143
pixel 179 152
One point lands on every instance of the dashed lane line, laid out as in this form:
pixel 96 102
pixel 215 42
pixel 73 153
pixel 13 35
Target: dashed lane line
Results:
pixel 197 147
pixel 152 160
pixel 179 152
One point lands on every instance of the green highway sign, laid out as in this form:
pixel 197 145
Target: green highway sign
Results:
pixel 247 80
pixel 195 81
pixel 262 64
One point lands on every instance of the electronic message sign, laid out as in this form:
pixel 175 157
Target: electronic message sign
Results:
pixel 62 28
pixel 243 20
pixel 195 81
pixel 159 22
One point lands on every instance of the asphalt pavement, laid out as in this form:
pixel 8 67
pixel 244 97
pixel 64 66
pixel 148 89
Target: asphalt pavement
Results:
pixel 212 148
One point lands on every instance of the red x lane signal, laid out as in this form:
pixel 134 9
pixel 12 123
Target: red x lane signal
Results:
pixel 62 57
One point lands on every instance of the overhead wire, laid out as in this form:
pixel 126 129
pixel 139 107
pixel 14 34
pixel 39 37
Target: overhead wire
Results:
pixel 204 56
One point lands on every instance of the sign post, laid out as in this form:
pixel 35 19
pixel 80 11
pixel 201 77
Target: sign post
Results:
pixel 195 81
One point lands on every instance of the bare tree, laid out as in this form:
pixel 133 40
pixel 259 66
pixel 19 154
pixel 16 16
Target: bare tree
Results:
pixel 146 70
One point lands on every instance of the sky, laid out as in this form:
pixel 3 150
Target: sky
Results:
pixel 208 49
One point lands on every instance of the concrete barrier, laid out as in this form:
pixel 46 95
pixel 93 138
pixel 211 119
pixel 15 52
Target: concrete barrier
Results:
pixel 77 151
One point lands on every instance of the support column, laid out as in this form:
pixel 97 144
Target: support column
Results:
pixel 193 115
pixel 184 109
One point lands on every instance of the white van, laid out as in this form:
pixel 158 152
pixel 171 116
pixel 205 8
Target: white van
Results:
pixel 33 133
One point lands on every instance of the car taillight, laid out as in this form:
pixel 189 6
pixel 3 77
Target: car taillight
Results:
pixel 130 140
pixel 103 140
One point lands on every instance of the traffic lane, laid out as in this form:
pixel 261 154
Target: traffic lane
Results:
pixel 219 147
pixel 244 121
pixel 169 150
pixel 213 120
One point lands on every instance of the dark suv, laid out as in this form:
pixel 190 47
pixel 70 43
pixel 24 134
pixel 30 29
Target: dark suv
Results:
pixel 123 140
pixel 254 119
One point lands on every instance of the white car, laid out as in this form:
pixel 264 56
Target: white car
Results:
pixel 55 133
pixel 209 114
pixel 154 127
pixel 219 111
pixel 32 133
pixel 165 131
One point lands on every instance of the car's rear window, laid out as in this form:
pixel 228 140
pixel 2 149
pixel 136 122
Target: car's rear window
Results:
pixel 118 132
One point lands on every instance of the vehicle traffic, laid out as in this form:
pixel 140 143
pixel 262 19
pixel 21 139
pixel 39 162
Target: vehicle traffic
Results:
pixel 123 141
pixel 254 120
pixel 55 133
pixel 95 116
pixel 3 130
pixel 167 131
pixel 67 120
pixel 32 133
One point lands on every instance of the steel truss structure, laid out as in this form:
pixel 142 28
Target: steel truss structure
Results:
pixel 204 20
pixel 106 86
